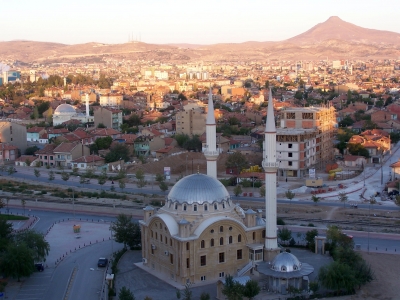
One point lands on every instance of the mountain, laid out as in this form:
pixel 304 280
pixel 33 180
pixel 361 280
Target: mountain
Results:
pixel 336 29
pixel 333 38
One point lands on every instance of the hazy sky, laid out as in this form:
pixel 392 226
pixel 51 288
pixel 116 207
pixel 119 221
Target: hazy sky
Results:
pixel 178 21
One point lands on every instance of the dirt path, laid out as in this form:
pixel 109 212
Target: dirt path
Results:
pixel 331 212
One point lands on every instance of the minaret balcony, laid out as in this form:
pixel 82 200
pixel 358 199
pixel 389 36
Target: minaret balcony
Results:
pixel 211 153
pixel 270 165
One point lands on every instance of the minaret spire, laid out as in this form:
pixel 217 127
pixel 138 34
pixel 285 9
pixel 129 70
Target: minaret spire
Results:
pixel 211 152
pixel 270 166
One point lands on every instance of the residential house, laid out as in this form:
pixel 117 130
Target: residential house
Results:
pixel 8 153
pixel 66 153
pixel 26 161
pixel 45 156
pixel 88 162
pixel 33 133
pixel 354 161
pixel 109 117
pixel 104 132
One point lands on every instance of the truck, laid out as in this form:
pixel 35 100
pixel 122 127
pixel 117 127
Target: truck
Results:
pixel 314 182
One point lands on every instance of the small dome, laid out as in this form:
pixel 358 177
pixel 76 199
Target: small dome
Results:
pixel 198 188
pixel 64 109
pixel 285 262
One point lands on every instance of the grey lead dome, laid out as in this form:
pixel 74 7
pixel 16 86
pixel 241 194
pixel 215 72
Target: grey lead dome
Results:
pixel 198 188
pixel 286 262
pixel 64 108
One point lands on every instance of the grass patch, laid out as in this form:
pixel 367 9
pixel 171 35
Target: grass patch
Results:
pixel 12 217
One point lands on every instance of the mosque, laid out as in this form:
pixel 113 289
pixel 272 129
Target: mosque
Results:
pixel 200 235
pixel 66 112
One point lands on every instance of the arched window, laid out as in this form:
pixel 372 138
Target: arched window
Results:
pixel 215 206
pixel 176 205
pixel 184 207
pixel 221 241
pixel 283 269
pixel 195 207
pixel 223 204
pixel 156 236
pixel 202 244
pixel 212 243
pixel 205 207
pixel 254 235
pixel 221 228
pixel 230 240
pixel 239 238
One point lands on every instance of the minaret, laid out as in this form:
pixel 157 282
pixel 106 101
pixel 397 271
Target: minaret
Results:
pixel 270 166
pixel 211 152
pixel 87 105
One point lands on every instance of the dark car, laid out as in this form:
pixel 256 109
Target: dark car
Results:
pixel 39 267
pixel 102 262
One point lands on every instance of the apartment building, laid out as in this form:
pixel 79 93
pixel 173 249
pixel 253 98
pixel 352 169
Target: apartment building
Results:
pixel 305 139
pixel 111 100
pixel 111 118
pixel 191 122
pixel 13 134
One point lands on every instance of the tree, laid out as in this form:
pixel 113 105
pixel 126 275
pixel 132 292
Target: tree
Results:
pixel 125 294
pixel 187 293
pixel 163 186
pixel 35 113
pixel 102 178
pixel 237 160
pixel 6 230
pixel 310 238
pixel 1 204
pixel 36 242
pixel 17 261
pixel 262 191
pixel 82 179
pixel 358 149
pixel 10 170
pixel 251 289
pixel 51 175
pixel 343 198
pixel 121 184
pixel 36 172
pixel 237 190
pixel 31 150
pixel 65 176
pixel 205 296
pixel 284 234
pixel 117 152
pixel 126 231
pixel 337 276
pixel 160 177
pixel 232 289
pixel 101 125
pixel 290 195
pixel 313 286
pixel 315 199
pixel 140 180
pixel 23 203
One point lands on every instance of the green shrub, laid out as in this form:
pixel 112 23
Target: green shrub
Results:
pixel 279 221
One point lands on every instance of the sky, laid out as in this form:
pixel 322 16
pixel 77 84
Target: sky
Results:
pixel 179 21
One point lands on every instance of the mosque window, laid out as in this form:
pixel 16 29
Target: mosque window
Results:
pixel 212 230
pixel 263 233
pixel 187 263
pixel 239 238
pixel 254 235
pixel 176 205
pixel 156 225
pixel 223 205
pixel 239 254
pixel 230 228
pixel 221 228
pixel 221 241
pixel 202 244
pixel 205 207
pixel 215 206
pixel 195 207
pixel 283 269
pixel 212 243
pixel 156 236
pixel 184 207
pixel 221 257
pixel 230 240
pixel 161 237
pixel 294 267
pixel 202 260
pixel 187 246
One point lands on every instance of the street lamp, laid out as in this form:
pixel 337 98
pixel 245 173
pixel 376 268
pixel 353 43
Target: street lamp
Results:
pixel 371 201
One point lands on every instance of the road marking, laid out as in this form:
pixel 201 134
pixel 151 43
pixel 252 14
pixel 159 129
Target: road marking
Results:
pixel 70 283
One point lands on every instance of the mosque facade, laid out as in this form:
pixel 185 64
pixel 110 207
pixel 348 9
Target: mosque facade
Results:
pixel 200 234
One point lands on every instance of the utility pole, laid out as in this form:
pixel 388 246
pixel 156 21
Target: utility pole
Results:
pixel 382 168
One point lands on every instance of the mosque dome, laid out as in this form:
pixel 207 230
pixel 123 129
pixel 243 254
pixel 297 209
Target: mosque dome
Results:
pixel 64 109
pixel 198 188
pixel 286 262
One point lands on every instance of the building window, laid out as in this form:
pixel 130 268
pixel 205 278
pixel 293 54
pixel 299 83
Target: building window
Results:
pixel 221 257
pixel 176 205
pixel 290 163
pixel 161 238
pixel 215 206
pixel 221 228
pixel 202 260
pixel 254 235
pixel 205 207
pixel 171 258
pixel 230 228
pixel 203 278
pixel 212 243
pixel 187 263
pixel 239 254
pixel 239 238
pixel 221 274
pixel 187 246
pixel 212 230
pixel 202 244
pixel 290 145
pixel 184 207
pixel 221 241
pixel 195 207
pixel 263 234
pixel 156 235
pixel 223 205
pixel 290 154
pixel 230 240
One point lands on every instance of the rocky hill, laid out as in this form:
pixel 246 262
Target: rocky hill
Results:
pixel 333 38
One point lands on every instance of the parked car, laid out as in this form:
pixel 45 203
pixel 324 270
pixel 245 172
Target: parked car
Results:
pixel 102 262
pixel 39 267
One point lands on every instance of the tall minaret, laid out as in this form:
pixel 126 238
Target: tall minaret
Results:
pixel 270 165
pixel 87 105
pixel 211 152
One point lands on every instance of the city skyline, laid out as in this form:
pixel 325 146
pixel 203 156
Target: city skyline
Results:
pixel 167 22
